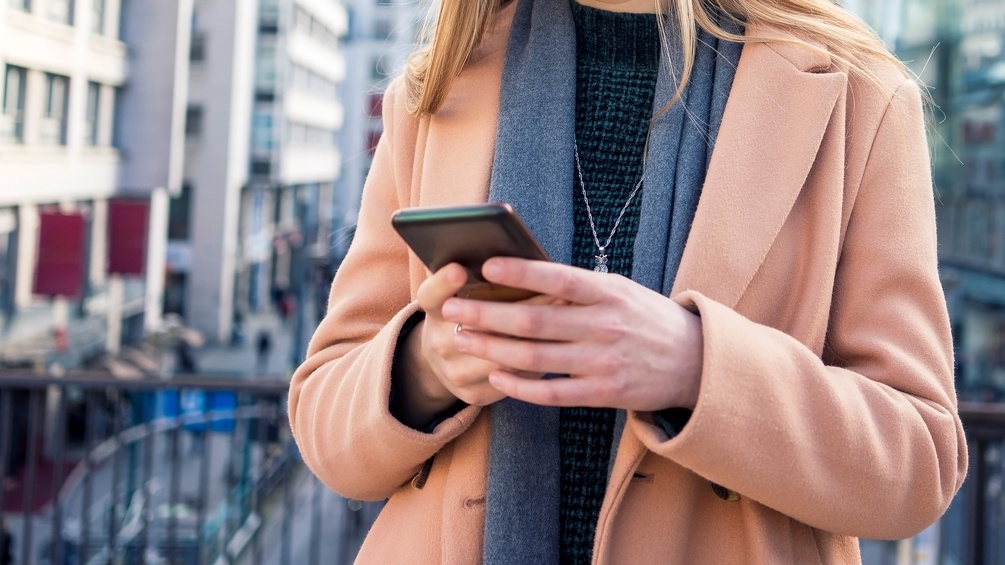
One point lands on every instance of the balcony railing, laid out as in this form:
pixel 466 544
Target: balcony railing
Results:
pixel 982 500
pixel 12 128
pixel 193 470
pixel 52 131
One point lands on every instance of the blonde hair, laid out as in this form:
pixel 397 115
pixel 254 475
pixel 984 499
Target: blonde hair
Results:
pixel 817 24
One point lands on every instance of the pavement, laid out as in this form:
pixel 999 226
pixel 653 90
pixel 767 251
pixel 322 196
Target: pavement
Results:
pixel 242 359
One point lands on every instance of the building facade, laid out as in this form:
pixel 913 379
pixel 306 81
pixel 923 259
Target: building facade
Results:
pixel 204 222
pixel 263 118
pixel 382 33
pixel 71 99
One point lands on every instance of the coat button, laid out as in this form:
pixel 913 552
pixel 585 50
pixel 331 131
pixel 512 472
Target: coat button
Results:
pixel 724 493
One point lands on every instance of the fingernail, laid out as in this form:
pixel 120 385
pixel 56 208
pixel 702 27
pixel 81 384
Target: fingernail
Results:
pixel 492 269
pixel 450 309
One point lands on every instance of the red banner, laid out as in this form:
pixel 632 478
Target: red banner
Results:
pixel 59 267
pixel 127 236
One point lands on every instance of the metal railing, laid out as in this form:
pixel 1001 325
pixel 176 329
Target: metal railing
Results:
pixel 97 470
pixel 192 470
pixel 980 514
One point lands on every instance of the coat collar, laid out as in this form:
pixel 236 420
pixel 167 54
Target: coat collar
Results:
pixel 781 102
pixel 782 99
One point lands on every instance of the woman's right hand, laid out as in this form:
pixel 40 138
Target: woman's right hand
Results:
pixel 433 374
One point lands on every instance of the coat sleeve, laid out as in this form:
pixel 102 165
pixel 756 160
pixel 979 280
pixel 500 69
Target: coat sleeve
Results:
pixel 339 398
pixel 866 441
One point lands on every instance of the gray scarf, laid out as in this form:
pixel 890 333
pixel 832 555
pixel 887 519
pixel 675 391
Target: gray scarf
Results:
pixel 533 171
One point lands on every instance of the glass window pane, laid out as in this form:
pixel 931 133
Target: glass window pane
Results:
pixel 98 16
pixel 93 113
pixel 12 116
pixel 193 122
pixel 52 129
pixel 61 11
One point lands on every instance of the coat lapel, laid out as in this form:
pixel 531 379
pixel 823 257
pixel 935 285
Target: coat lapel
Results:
pixel 775 119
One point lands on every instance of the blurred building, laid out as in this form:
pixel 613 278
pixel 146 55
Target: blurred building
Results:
pixel 382 33
pixel 261 160
pixel 89 133
pixel 204 215
pixel 956 48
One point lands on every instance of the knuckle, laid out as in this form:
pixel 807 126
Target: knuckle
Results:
pixel 567 283
pixel 530 323
pixel 552 397
pixel 608 363
pixel 616 386
pixel 612 329
pixel 529 358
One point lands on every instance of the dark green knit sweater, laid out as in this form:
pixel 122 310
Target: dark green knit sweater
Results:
pixel 617 64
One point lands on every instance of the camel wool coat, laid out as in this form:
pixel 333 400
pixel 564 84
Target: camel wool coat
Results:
pixel 826 400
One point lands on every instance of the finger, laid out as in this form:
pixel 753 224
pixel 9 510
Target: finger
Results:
pixel 553 392
pixel 440 286
pixel 574 284
pixel 532 356
pixel 542 322
pixel 466 378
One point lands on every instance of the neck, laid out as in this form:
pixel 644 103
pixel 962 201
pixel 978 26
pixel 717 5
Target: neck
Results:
pixel 633 6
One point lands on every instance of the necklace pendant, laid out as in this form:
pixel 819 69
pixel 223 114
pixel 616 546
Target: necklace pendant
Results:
pixel 600 263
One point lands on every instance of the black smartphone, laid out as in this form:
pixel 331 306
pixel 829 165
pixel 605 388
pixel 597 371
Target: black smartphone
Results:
pixel 469 235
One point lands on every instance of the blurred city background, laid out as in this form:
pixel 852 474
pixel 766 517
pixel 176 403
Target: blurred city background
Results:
pixel 179 180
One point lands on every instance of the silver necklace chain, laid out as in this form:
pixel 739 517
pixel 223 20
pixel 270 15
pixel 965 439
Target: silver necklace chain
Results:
pixel 600 261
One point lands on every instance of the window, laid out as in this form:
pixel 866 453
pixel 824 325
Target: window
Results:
pixel 261 167
pixel 261 132
pixel 12 117
pixel 193 122
pixel 268 21
pixel 93 113
pixel 197 47
pixel 303 134
pixel 53 126
pixel 22 5
pixel 265 68
pixel 307 80
pixel 180 213
pixel 302 20
pixel 98 17
pixel 117 133
pixel 61 11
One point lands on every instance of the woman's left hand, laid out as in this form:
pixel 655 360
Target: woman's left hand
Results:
pixel 622 345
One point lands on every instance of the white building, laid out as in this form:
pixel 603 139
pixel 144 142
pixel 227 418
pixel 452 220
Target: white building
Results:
pixel 295 158
pixel 262 156
pixel 382 33
pixel 203 225
pixel 74 92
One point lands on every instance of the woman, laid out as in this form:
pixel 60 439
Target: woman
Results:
pixel 774 378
